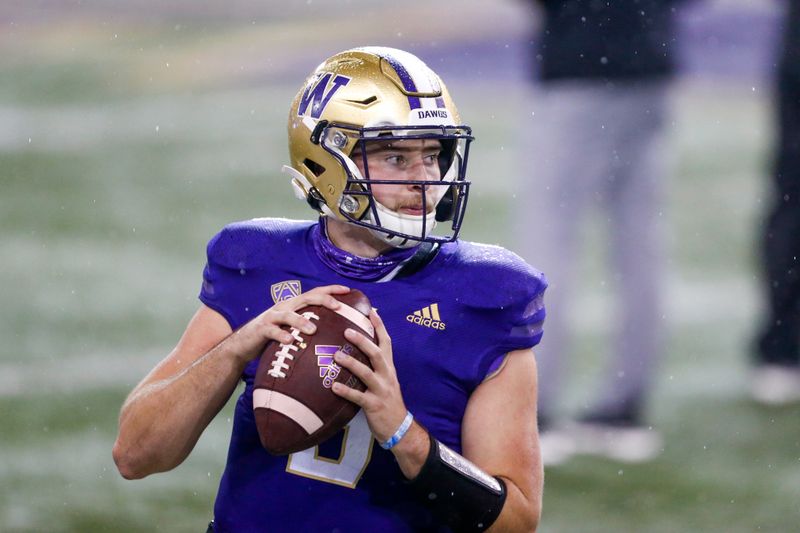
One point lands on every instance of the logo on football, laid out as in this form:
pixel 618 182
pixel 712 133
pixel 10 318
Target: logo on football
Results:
pixel 293 403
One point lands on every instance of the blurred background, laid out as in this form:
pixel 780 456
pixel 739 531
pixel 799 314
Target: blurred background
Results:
pixel 131 132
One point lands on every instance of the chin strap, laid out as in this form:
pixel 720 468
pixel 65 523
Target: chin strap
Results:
pixel 426 253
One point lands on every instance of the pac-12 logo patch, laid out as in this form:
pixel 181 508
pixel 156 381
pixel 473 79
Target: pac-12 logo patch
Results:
pixel 283 290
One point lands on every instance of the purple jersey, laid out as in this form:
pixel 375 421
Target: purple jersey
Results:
pixel 451 324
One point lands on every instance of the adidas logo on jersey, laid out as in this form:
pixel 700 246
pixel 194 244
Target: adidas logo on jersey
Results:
pixel 428 317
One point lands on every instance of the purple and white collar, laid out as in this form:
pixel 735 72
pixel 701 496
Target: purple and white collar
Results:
pixel 380 268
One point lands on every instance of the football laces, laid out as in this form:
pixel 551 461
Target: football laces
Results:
pixel 279 365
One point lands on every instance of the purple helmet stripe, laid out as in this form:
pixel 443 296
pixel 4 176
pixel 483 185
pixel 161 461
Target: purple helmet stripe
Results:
pixel 408 83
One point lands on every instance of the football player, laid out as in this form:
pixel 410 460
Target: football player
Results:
pixel 446 438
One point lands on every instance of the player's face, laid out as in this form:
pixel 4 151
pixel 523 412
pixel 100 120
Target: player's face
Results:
pixel 406 160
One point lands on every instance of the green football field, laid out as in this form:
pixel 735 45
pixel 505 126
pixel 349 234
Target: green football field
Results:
pixel 125 145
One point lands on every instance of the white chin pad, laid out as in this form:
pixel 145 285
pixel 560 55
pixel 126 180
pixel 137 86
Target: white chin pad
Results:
pixel 401 223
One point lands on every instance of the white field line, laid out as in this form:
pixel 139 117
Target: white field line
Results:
pixel 87 127
pixel 75 373
pixel 77 472
pixel 733 301
pixel 84 457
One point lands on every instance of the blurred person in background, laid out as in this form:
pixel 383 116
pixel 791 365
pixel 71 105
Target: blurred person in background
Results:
pixel 595 141
pixel 776 377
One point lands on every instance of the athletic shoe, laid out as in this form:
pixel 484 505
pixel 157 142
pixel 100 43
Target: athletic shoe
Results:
pixel 620 439
pixel 775 385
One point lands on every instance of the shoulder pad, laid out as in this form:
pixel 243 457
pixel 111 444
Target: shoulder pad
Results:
pixel 493 277
pixel 253 243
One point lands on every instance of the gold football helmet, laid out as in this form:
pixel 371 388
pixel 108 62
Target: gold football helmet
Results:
pixel 368 95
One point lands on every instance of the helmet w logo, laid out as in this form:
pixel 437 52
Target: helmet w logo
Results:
pixel 319 93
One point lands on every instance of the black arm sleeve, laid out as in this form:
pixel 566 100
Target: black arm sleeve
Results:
pixel 458 493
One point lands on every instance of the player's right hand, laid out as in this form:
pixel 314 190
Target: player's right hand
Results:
pixel 266 327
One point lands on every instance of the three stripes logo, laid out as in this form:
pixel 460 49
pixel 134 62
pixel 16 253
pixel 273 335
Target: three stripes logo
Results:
pixel 427 316
pixel 328 369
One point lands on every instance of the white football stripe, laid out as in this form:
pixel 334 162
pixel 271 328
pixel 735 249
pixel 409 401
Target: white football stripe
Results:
pixel 419 72
pixel 356 318
pixel 421 75
pixel 287 406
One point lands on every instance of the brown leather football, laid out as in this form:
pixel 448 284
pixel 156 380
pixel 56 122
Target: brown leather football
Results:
pixel 293 403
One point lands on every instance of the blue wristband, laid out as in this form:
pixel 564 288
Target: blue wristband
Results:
pixel 400 433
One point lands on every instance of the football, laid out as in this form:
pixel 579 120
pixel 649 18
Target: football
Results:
pixel 293 403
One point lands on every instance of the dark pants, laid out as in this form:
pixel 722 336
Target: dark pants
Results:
pixel 779 340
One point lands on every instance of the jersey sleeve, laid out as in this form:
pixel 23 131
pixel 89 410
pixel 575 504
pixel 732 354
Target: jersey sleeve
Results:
pixel 236 258
pixel 239 260
pixel 218 279
pixel 523 323
pixel 506 295
pixel 525 317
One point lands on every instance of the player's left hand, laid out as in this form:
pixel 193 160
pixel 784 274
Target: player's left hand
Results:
pixel 382 402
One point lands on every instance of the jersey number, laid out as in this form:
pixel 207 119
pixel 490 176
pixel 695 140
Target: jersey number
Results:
pixel 348 468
